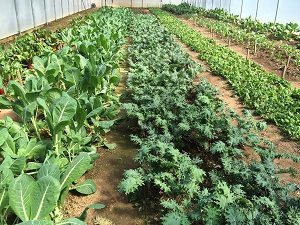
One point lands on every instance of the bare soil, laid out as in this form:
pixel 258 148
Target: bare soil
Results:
pixel 261 58
pixel 107 174
pixel 283 143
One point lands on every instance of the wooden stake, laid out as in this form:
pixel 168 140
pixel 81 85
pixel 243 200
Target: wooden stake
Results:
pixel 286 66
pixel 248 53
pixel 255 47
pixel 229 41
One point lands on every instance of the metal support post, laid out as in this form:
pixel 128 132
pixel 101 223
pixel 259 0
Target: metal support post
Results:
pixel 32 12
pixel 276 14
pixel 241 8
pixel 17 17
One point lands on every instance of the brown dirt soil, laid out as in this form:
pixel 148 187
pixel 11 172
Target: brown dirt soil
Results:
pixel 107 173
pixel 52 26
pixel 9 113
pixel 283 143
pixel 260 58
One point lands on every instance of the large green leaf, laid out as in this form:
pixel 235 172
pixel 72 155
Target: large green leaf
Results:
pixel 6 176
pixel 31 200
pixel 18 90
pixel 63 111
pixel 84 214
pixel 4 202
pixel 87 187
pixel 49 170
pixel 44 197
pixel 3 135
pixel 72 221
pixel 52 94
pixel 18 165
pixel 104 42
pixel 20 193
pixel 39 65
pixel 34 86
pixel 33 149
pixel 36 222
pixel 80 117
pixel 75 169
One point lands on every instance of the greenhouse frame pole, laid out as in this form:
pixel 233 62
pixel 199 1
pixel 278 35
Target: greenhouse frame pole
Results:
pixel 54 7
pixel 17 17
pixel 83 4
pixel 257 5
pixel 32 12
pixel 62 8
pixel 220 4
pixel 69 7
pixel 229 6
pixel 241 8
pixel 73 6
pixel 212 4
pixel 277 7
pixel 45 10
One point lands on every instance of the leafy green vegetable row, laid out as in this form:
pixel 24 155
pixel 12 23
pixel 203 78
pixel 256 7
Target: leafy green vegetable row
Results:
pixel 66 104
pixel 272 30
pixel 16 58
pixel 254 40
pixel 276 31
pixel 191 152
pixel 272 97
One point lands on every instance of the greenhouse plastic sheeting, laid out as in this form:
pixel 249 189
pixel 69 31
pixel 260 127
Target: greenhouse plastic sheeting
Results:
pixel 21 15
pixel 176 2
pixel 24 8
pixel 288 10
pixel 8 22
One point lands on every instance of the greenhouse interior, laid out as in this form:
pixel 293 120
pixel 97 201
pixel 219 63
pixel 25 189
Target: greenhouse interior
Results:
pixel 148 112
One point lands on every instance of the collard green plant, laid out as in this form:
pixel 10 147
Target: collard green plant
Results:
pixel 65 103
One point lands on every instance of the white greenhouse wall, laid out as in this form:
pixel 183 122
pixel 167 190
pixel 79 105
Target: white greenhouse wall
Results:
pixel 288 10
pixel 21 15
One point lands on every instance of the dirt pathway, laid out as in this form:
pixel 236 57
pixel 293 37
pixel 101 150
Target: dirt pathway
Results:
pixel 107 173
pixel 260 58
pixel 273 133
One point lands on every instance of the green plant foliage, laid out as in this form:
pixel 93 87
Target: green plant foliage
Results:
pixel 254 34
pixel 87 187
pixel 271 96
pixel 65 103
pixel 191 145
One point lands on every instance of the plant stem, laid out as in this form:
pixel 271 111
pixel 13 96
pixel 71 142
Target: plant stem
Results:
pixel 33 120
pixel 56 144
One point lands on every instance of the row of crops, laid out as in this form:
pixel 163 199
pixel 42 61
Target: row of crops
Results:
pixel 256 36
pixel 276 31
pixel 272 97
pixel 191 155
pixel 65 101
pixel 191 145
